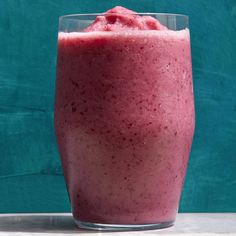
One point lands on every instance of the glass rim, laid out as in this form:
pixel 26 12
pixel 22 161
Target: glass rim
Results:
pixel 69 16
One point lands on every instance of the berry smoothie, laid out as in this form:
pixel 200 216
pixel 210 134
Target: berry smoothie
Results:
pixel 124 118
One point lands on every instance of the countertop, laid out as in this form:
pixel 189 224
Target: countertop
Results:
pixel 62 224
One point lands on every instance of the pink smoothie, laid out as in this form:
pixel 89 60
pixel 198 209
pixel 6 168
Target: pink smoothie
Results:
pixel 124 118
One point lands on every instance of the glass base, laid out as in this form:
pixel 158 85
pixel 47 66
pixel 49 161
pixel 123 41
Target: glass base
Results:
pixel 121 227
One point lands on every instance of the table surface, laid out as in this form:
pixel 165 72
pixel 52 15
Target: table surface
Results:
pixel 62 224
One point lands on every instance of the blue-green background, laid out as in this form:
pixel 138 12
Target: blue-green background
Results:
pixel 30 173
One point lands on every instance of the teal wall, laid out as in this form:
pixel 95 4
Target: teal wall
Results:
pixel 30 173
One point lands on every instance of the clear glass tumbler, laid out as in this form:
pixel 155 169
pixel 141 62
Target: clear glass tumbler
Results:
pixel 124 121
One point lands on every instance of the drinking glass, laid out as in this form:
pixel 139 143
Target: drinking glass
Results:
pixel 124 121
